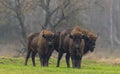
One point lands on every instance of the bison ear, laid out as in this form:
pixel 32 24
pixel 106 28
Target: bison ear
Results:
pixel 71 36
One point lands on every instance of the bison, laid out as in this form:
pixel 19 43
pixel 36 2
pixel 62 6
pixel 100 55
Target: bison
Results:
pixel 70 40
pixel 87 44
pixel 32 47
pixel 45 46
pixel 76 47
pixel 89 39
pixel 42 43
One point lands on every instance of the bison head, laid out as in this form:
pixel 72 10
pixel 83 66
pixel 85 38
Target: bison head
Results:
pixel 49 37
pixel 92 44
pixel 90 40
pixel 76 40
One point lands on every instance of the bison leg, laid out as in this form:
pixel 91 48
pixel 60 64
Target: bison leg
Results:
pixel 80 62
pixel 47 57
pixel 60 54
pixel 27 56
pixel 46 62
pixel 33 58
pixel 68 60
pixel 73 61
pixel 41 60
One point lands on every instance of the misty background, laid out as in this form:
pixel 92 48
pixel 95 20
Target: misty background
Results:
pixel 18 18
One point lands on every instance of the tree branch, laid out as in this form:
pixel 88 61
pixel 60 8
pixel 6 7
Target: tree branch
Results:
pixel 63 17
pixel 55 10
pixel 42 5
pixel 66 3
pixel 48 3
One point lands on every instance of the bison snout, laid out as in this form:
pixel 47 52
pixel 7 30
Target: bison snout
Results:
pixel 50 43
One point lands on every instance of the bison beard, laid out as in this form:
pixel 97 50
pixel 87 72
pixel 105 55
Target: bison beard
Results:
pixel 76 61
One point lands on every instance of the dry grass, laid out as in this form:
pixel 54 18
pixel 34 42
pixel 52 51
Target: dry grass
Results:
pixel 105 59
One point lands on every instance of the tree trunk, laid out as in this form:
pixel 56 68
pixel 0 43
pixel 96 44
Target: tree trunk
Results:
pixel 111 25
pixel 21 19
pixel 116 18
pixel 46 20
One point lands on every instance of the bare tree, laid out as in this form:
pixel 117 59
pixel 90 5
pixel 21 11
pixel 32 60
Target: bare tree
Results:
pixel 61 12
pixel 116 17
pixel 111 24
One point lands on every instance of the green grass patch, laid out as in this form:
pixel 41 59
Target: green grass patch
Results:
pixel 16 66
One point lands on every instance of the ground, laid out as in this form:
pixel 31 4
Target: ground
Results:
pixel 16 66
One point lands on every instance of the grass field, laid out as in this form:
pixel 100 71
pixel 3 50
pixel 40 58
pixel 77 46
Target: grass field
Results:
pixel 16 66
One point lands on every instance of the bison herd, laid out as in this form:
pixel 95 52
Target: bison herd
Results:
pixel 74 42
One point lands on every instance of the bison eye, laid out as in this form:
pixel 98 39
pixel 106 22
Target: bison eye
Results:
pixel 83 37
pixel 44 36
pixel 71 36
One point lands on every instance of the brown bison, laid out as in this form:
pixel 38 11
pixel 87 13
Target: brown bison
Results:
pixel 76 47
pixel 45 46
pixel 42 43
pixel 89 39
pixel 32 47
pixel 88 43
pixel 70 40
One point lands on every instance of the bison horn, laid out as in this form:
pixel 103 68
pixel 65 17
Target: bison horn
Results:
pixel 97 34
